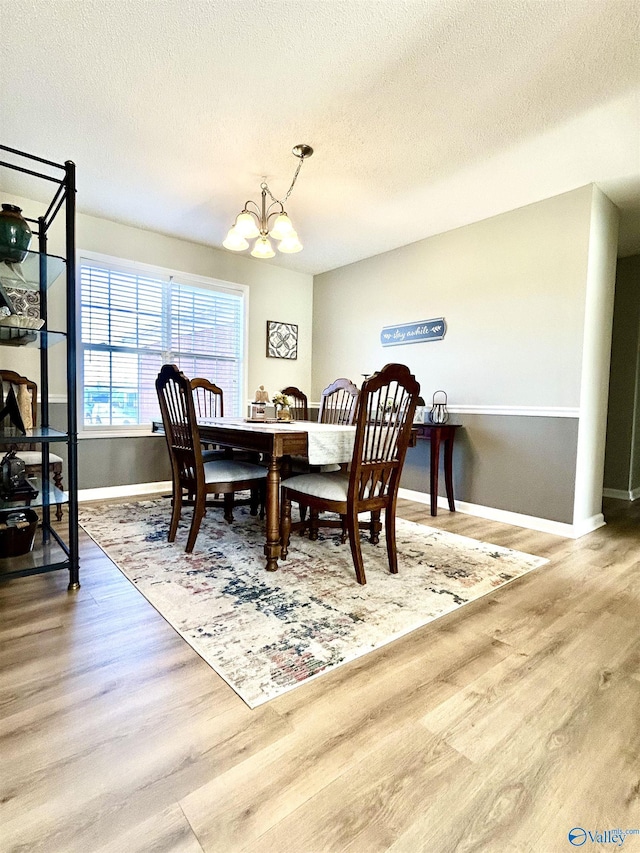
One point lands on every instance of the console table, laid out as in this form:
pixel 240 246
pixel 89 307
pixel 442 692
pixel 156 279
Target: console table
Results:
pixel 438 434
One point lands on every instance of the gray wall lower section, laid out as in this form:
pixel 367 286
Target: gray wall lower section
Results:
pixel 519 464
pixel 104 462
pixel 122 461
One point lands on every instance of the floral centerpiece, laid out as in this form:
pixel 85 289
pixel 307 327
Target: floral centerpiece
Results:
pixel 282 402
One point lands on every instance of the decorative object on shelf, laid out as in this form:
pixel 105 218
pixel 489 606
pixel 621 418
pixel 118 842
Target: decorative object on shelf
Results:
pixel 6 301
pixel 19 321
pixel 17 393
pixel 418 418
pixel 14 485
pixel 439 413
pixel 255 221
pixel 282 403
pixel 413 333
pixel 25 302
pixel 11 408
pixel 258 409
pixel 15 234
pixel 282 340
pixel 17 531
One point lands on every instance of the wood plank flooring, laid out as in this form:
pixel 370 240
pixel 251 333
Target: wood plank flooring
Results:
pixel 499 727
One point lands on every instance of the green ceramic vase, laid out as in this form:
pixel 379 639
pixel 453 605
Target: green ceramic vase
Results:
pixel 15 234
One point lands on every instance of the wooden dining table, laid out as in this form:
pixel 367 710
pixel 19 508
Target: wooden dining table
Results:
pixel 276 441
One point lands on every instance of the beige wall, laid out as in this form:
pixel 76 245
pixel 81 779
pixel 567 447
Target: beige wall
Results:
pixel 274 294
pixel 511 289
pixel 527 297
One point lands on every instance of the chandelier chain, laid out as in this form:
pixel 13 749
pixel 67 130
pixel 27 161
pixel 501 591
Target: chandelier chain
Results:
pixel 264 185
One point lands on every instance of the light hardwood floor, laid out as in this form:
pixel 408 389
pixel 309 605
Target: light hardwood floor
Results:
pixel 496 728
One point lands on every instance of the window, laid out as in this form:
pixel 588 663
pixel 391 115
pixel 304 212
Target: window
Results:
pixel 134 319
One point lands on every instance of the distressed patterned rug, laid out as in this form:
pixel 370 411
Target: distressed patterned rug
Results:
pixel 268 632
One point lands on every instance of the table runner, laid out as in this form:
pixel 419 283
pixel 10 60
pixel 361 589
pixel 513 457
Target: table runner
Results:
pixel 328 443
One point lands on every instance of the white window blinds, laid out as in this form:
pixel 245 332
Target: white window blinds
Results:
pixel 133 323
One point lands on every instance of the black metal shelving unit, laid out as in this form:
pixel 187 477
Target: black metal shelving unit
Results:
pixel 52 551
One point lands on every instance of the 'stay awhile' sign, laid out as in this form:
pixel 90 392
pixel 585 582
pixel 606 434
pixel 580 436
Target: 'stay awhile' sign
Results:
pixel 413 333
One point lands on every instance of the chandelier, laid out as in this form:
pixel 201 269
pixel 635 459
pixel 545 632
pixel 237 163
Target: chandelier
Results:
pixel 256 220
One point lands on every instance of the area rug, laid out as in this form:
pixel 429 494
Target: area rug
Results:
pixel 268 632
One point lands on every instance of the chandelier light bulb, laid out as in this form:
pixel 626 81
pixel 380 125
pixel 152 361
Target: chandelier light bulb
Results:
pixel 246 226
pixel 282 227
pixel 262 249
pixel 234 241
pixel 290 244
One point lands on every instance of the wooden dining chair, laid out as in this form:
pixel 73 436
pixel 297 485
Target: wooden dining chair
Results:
pixel 383 429
pixel 192 477
pixel 208 398
pixel 208 402
pixel 32 458
pixel 338 403
pixel 299 406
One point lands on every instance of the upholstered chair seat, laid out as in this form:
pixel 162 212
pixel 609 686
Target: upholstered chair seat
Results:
pixel 230 471
pixel 332 486
pixel 34 457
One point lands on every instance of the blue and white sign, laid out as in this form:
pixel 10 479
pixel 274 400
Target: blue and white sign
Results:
pixel 413 333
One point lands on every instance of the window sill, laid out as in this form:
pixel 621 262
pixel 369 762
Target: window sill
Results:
pixel 126 432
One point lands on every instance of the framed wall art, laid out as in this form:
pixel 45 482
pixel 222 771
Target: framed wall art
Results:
pixel 282 340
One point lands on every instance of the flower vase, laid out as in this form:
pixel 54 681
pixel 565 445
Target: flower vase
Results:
pixel 283 413
pixel 15 234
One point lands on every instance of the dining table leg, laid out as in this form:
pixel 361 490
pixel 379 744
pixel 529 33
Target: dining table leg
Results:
pixel 272 547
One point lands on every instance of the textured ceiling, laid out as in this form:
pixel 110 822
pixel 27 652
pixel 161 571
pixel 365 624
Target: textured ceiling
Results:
pixel 424 116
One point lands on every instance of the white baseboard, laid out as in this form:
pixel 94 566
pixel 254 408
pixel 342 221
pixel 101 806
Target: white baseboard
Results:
pixel 588 525
pixel 569 531
pixel 124 491
pixel 558 528
pixel 621 495
pixel 618 494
